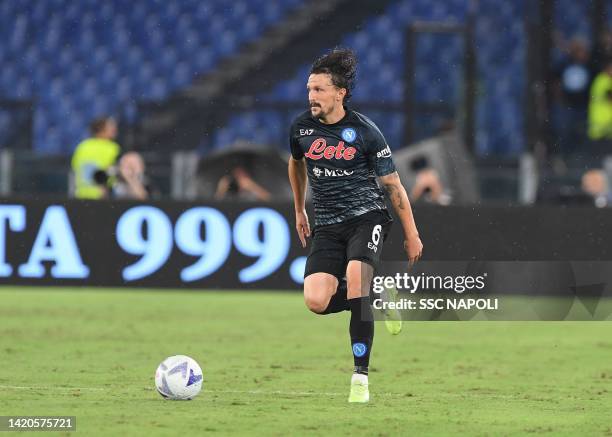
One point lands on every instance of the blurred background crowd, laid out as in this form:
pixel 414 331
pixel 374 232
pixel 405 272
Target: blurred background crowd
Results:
pixel 482 101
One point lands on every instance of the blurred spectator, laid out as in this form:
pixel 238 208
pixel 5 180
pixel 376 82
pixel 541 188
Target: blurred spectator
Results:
pixel 93 158
pixel 428 188
pixel 239 184
pixel 600 107
pixel 595 184
pixel 572 79
pixel 131 179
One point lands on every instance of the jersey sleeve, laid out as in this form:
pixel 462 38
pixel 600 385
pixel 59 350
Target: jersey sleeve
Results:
pixel 379 151
pixel 296 150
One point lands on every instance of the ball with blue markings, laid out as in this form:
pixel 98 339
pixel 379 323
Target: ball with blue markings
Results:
pixel 178 378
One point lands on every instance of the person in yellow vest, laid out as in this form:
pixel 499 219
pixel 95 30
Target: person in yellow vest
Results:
pixel 600 106
pixel 93 158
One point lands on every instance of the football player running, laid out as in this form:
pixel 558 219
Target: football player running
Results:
pixel 347 160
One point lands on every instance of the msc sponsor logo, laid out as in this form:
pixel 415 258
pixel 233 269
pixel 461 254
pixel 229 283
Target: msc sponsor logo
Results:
pixel 331 172
pixel 384 153
pixel 319 149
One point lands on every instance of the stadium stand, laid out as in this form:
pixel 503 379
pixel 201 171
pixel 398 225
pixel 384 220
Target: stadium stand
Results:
pixel 572 19
pixel 380 47
pixel 121 53
pixel 79 59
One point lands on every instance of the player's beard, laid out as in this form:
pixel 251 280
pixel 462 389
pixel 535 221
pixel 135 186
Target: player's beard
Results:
pixel 318 112
pixel 315 110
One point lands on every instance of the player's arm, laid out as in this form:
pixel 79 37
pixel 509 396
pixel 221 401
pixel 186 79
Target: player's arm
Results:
pixel 384 168
pixel 399 199
pixel 298 179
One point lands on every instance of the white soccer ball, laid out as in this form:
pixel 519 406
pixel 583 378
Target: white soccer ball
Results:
pixel 179 378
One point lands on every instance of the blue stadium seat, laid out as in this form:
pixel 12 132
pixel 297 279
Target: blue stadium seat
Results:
pixel 96 55
pixel 500 66
pixel 572 18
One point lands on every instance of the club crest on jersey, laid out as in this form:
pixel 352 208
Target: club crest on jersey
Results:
pixel 349 134
pixel 319 149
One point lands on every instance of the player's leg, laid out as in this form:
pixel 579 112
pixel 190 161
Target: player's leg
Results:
pixel 319 288
pixel 392 316
pixel 324 283
pixel 361 329
pixel 366 245
pixel 363 252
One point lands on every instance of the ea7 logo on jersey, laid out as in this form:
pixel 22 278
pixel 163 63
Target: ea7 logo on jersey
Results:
pixel 331 172
pixel 384 153
pixel 306 131
pixel 319 149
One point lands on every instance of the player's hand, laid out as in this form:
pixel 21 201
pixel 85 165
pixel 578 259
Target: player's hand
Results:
pixel 302 226
pixel 413 248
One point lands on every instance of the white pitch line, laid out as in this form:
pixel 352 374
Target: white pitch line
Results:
pixel 276 392
pixel 294 393
pixel 22 387
pixel 260 392
pixel 250 392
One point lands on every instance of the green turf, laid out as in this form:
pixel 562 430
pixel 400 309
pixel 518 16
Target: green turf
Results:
pixel 272 368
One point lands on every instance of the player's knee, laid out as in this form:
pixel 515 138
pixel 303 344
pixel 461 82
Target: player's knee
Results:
pixel 318 290
pixel 317 303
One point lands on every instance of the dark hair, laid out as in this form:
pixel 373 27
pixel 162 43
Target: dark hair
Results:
pixel 341 64
pixel 98 124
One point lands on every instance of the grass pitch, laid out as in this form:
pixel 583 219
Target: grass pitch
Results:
pixel 272 368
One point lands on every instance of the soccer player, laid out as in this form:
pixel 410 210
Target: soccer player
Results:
pixel 342 153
